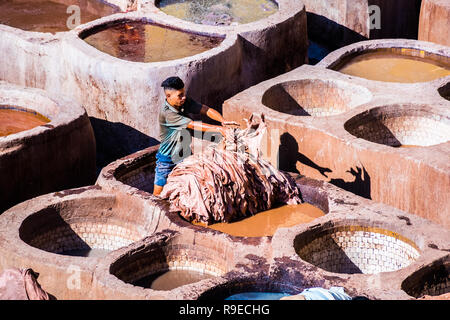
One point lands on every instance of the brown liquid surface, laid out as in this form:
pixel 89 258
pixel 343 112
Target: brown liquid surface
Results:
pixel 13 121
pixel 49 16
pixel 168 280
pixel 267 222
pixel 140 42
pixel 219 12
pixel 390 67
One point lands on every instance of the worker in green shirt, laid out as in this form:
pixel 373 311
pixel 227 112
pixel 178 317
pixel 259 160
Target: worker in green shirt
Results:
pixel 173 119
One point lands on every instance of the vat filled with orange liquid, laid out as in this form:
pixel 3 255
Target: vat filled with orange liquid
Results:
pixel 395 65
pixel 51 15
pixel 267 222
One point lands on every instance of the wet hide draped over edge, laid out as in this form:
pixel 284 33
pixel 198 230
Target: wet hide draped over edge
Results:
pixel 21 284
pixel 229 181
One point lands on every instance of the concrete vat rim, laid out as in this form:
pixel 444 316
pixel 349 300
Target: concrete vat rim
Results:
pixel 74 38
pixel 18 252
pixel 12 219
pixel 389 111
pixel 363 95
pixel 286 9
pixel 39 101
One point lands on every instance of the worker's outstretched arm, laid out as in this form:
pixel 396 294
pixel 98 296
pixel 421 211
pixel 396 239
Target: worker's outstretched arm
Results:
pixel 204 127
pixel 213 114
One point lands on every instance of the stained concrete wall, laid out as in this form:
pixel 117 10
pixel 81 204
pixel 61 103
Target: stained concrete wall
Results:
pixel 55 156
pixel 434 23
pixel 337 23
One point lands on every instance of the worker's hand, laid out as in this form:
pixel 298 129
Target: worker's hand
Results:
pixel 223 131
pixel 230 123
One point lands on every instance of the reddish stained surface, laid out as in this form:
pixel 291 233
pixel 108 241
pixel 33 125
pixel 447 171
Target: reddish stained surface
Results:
pixel 13 121
pixel 50 16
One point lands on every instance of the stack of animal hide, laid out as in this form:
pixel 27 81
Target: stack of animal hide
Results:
pixel 21 284
pixel 229 181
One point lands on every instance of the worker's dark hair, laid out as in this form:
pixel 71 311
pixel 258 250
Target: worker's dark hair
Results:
pixel 174 83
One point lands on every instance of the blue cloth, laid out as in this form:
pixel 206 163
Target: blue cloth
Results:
pixel 164 167
pixel 257 296
pixel 335 293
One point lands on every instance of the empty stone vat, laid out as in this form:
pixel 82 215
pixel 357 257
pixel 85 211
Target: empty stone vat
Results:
pixel 444 91
pixel 315 97
pixel 132 173
pixel 401 125
pixel 137 267
pixel 66 232
pixel 56 152
pixel 356 249
pixel 431 280
pixel 70 232
pixel 165 264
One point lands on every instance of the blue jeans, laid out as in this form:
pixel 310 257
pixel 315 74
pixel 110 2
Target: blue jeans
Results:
pixel 164 166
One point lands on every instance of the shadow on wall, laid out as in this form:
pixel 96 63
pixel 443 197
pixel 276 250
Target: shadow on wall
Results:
pixel 115 140
pixel 360 186
pixel 330 35
pixel 399 19
pixel 445 91
pixel 288 155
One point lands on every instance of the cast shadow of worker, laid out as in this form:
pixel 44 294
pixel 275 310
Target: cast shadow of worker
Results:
pixel 360 186
pixel 288 156
pixel 115 140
